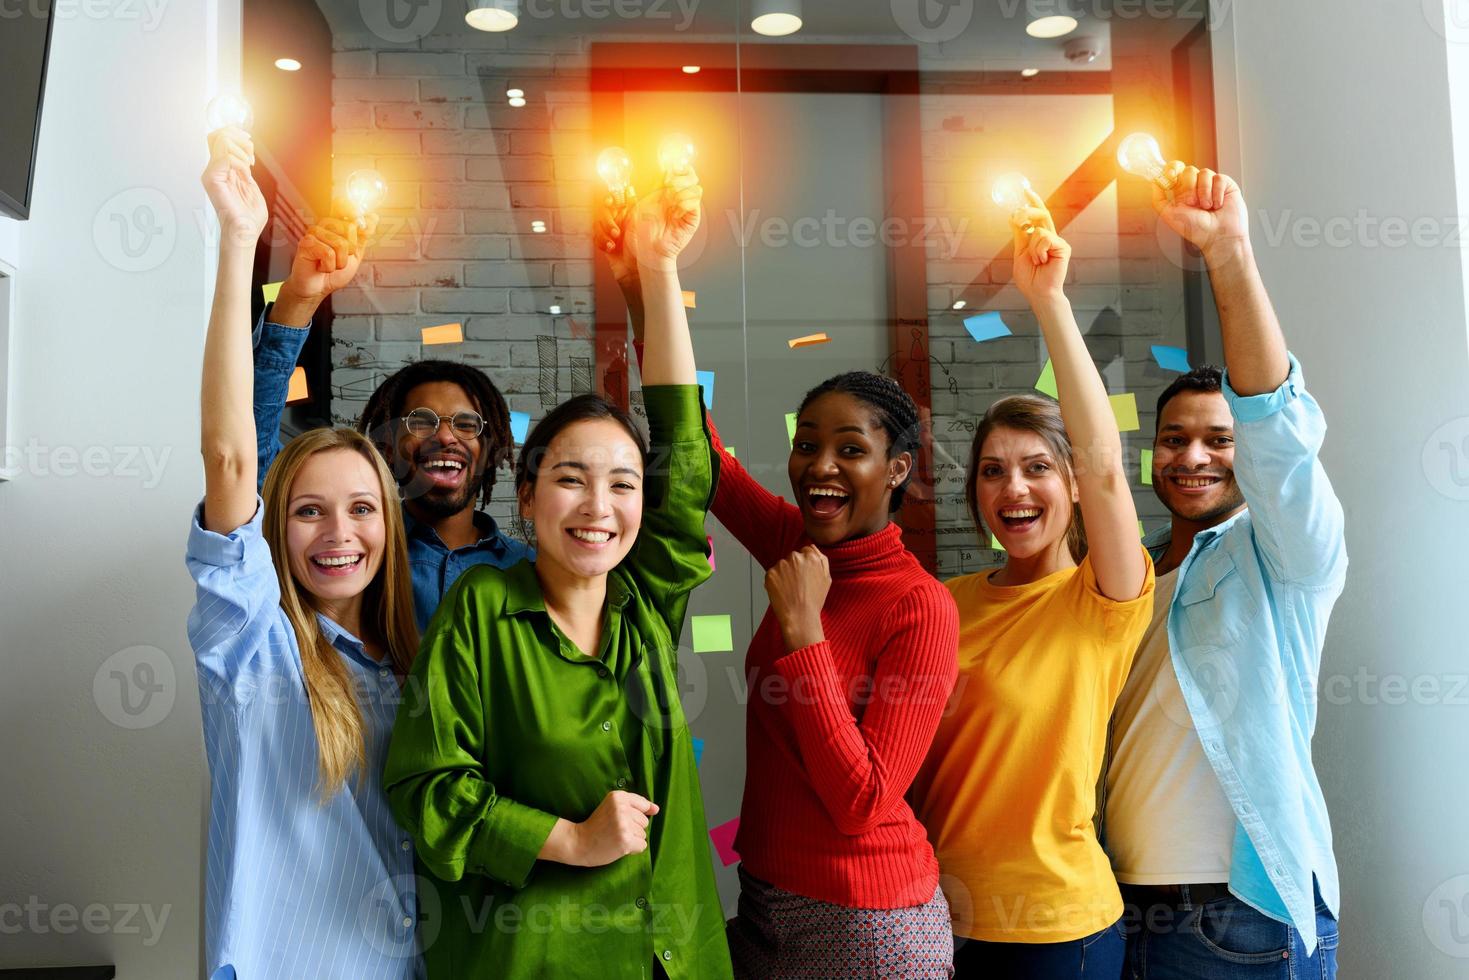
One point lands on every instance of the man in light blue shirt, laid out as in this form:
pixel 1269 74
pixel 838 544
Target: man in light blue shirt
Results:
pixel 443 426
pixel 1216 823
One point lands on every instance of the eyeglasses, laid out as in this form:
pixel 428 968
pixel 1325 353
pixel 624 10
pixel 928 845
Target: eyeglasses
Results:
pixel 424 422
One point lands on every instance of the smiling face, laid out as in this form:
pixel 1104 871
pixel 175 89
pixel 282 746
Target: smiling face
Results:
pixel 1022 493
pixel 840 473
pixel 587 498
pixel 335 532
pixel 1193 458
pixel 440 474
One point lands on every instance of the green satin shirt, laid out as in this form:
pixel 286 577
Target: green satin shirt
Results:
pixel 506 726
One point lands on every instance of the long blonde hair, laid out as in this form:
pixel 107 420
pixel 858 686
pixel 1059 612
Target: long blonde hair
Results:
pixel 387 605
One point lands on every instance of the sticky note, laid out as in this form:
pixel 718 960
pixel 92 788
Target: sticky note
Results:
pixel 296 391
pixel 1140 532
pixel 519 425
pixel 698 750
pixel 995 543
pixel 688 299
pixel 1047 381
pixel 791 427
pixel 712 566
pixel 706 381
pixel 1147 467
pixel 1171 358
pixel 270 291
pixel 986 326
pixel 723 838
pixel 712 634
pixel 449 333
pixel 1124 406
pixel 808 340
pixel 731 451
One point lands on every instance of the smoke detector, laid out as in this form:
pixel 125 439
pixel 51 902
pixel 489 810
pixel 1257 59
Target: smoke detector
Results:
pixel 1082 50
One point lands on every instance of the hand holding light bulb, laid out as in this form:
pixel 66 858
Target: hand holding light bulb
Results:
pixel 327 258
pixel 228 109
pixel 666 220
pixel 366 190
pixel 1041 255
pixel 615 169
pixel 675 154
pixel 1206 209
pixel 232 190
pixel 1009 193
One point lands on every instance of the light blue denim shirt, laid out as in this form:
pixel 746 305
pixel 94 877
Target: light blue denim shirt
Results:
pixel 1245 628
pixel 432 565
pixel 294 886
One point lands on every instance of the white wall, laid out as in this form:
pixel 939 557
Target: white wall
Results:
pixel 100 832
pixel 1345 109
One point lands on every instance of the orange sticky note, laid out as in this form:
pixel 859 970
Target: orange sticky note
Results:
pixel 270 290
pixel 808 340
pixel 688 299
pixel 297 390
pixel 449 333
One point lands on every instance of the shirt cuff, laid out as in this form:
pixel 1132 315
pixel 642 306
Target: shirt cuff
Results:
pixel 675 413
pixel 277 337
pixel 510 842
pixel 213 548
pixel 1252 408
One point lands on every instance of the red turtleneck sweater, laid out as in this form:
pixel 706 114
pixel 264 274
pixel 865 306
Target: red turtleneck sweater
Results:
pixel 836 731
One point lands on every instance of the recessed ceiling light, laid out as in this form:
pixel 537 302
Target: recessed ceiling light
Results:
pixel 539 227
pixel 288 64
pixel 555 310
pixel 959 304
pixel 514 93
pixel 493 15
pixel 517 103
pixel 1029 72
pixel 775 18
pixel 691 69
pixel 1053 26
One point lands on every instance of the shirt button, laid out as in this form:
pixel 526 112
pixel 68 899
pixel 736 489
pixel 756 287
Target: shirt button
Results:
pixel 621 782
pixel 606 726
pixel 407 921
pixel 668 954
pixel 642 903
pixel 601 671
pixel 384 673
pixel 407 845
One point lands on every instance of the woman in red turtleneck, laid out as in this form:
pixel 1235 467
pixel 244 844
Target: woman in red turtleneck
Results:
pixel 849 672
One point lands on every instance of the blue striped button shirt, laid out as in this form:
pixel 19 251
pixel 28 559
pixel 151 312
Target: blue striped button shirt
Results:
pixel 294 888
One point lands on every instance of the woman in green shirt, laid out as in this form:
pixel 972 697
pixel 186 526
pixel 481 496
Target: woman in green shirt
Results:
pixel 541 759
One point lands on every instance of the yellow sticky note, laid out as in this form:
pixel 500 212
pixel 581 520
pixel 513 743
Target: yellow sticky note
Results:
pixel 1147 467
pixel 688 299
pixel 270 291
pixel 296 391
pixel 1124 406
pixel 808 340
pixel 1047 381
pixel 791 427
pixel 449 333
pixel 712 634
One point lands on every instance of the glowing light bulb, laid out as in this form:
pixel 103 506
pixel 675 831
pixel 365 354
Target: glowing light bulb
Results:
pixel 365 189
pixel 614 168
pixel 1009 193
pixel 1139 154
pixel 675 153
pixel 229 109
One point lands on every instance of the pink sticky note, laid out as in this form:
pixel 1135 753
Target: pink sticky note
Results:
pixel 723 837
pixel 712 567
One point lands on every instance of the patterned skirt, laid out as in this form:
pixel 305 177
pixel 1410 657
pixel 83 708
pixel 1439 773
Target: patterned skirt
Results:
pixel 781 936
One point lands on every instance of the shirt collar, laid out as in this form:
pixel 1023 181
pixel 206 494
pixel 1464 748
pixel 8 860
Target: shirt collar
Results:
pixel 1157 541
pixel 523 590
pixel 343 641
pixel 489 532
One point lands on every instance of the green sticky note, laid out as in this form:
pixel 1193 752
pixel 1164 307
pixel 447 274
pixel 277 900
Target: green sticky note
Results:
pixel 1124 406
pixel 270 290
pixel 1047 381
pixel 730 450
pixel 791 427
pixel 1140 532
pixel 1147 467
pixel 712 634
pixel 995 543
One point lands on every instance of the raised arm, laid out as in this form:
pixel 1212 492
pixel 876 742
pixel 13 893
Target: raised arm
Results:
pixel 665 221
pixel 227 424
pixel 1106 498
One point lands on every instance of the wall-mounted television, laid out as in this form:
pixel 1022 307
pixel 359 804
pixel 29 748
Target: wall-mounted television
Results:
pixel 25 43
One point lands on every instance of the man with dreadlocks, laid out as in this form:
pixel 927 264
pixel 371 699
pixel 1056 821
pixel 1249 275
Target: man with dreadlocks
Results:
pixel 443 427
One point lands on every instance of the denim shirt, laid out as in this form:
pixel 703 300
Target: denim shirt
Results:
pixel 433 566
pixel 1245 628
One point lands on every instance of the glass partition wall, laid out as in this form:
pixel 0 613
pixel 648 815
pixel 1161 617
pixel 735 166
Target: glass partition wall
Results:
pixel 847 170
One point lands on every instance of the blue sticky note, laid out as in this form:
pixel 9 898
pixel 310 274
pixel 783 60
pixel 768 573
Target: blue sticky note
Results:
pixel 519 426
pixel 986 326
pixel 706 380
pixel 1171 358
pixel 698 750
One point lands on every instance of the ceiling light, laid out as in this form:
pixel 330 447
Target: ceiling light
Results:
pixel 517 103
pixel 515 93
pixel 288 64
pixel 555 310
pixel 1029 72
pixel 493 15
pixel 959 304
pixel 691 69
pixel 1053 26
pixel 775 18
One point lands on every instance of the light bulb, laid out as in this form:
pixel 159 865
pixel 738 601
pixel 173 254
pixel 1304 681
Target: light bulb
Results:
pixel 675 153
pixel 1139 154
pixel 229 109
pixel 1009 193
pixel 365 189
pixel 493 15
pixel 614 168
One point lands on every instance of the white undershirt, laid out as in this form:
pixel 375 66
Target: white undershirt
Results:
pixel 1168 821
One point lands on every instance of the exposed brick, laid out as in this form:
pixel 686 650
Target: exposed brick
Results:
pixel 452 90
pixel 355 299
pixel 510 168
pixel 417 116
pixel 495 223
pixel 572 274
pixel 416 63
pixel 410 328
pixel 466 143
pixel 496 62
pixel 518 328
pixel 539 300
pixel 491 197
pixel 466 41
pixel 507 274
pixel 548 195
pixel 374 91
pixel 549 247
pixel 353 328
pixel 572 117
pixel 374 143
pixel 353 64
pixel 502 115
pixel 432 169
pixel 419 273
pixel 467 247
pixel 460 301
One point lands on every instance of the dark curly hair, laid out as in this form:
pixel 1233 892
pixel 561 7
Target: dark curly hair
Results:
pixel 380 419
pixel 894 409
pixel 1207 377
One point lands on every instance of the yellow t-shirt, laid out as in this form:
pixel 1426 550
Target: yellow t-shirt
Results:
pixel 1009 787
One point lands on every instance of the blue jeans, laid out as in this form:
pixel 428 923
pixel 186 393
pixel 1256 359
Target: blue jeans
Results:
pixel 1224 939
pixel 1095 957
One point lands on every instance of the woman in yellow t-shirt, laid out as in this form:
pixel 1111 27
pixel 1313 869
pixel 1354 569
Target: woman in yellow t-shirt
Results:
pixel 1045 644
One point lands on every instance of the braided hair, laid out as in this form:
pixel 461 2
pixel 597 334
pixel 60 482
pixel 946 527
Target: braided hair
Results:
pixel 895 410
pixel 379 421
